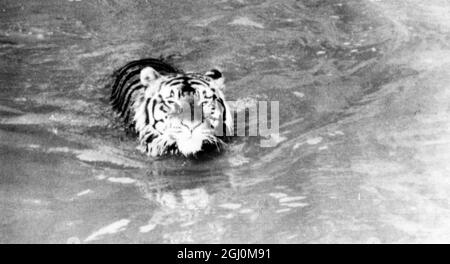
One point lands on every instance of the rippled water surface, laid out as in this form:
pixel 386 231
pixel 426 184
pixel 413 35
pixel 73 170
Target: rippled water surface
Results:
pixel 364 120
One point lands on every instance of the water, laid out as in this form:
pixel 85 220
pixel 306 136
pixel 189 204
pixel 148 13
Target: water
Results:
pixel 364 147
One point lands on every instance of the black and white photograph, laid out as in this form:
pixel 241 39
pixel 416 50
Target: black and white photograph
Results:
pixel 224 122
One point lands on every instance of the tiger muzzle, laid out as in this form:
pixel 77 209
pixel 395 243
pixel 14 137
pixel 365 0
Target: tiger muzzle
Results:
pixel 191 115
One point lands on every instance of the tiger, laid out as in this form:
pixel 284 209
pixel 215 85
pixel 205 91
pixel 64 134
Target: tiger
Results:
pixel 172 112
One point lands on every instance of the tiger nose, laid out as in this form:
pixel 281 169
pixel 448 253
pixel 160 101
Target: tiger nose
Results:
pixel 190 125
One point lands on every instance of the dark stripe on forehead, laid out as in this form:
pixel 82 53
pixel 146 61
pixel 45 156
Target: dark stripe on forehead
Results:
pixel 186 88
pixel 186 81
pixel 198 82
pixel 171 81
pixel 172 84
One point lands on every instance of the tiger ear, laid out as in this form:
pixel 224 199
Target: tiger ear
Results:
pixel 148 75
pixel 214 74
pixel 217 77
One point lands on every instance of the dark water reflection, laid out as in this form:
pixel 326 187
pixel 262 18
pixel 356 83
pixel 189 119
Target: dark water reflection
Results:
pixel 362 155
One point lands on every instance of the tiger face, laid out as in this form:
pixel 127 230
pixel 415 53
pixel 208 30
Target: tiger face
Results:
pixel 181 112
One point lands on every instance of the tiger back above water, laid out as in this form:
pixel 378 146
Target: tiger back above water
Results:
pixel 172 111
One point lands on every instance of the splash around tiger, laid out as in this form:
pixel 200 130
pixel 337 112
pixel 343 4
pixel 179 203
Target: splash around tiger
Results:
pixel 171 111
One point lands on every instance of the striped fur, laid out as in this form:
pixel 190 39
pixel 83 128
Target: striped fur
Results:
pixel 171 111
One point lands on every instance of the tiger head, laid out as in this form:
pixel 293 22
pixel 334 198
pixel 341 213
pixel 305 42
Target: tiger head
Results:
pixel 181 112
